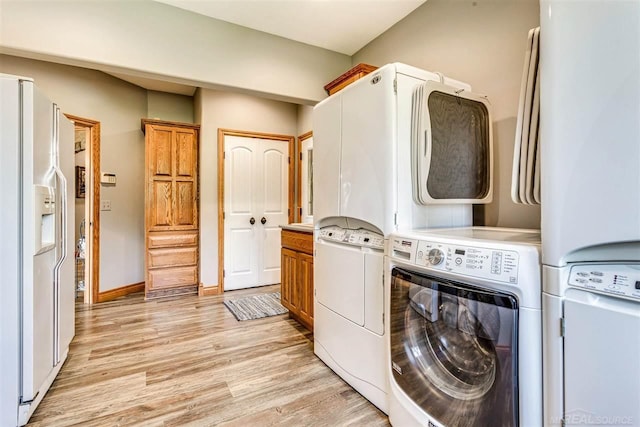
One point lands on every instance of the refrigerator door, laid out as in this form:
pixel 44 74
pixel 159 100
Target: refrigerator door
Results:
pixel 66 285
pixel 38 257
pixel 9 248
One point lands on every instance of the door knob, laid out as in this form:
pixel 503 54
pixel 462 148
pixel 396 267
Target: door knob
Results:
pixel 252 221
pixel 263 220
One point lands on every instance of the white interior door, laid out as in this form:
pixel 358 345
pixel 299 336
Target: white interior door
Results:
pixel 255 205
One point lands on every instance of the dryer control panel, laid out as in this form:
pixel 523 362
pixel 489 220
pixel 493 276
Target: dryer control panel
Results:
pixel 486 263
pixel 358 237
pixel 612 279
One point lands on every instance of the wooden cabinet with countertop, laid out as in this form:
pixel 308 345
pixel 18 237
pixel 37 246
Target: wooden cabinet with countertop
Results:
pixel 297 274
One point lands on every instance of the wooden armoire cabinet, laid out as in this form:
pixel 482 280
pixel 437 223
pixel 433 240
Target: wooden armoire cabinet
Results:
pixel 171 208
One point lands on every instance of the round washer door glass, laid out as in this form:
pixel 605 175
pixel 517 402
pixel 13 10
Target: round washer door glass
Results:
pixel 454 349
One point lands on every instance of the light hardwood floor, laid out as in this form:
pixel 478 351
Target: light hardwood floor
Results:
pixel 187 362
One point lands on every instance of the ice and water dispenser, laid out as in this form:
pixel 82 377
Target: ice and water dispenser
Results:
pixel 45 218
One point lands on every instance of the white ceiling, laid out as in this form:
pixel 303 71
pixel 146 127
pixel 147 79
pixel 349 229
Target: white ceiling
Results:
pixel 343 26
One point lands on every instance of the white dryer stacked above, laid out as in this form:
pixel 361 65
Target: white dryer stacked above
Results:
pixel 374 173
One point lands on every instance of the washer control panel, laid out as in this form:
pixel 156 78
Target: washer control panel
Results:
pixel 360 237
pixel 487 263
pixel 613 279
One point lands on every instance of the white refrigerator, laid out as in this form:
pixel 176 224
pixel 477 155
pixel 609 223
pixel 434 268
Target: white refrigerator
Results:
pixel 37 258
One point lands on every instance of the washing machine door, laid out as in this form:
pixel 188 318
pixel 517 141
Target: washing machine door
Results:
pixel 454 349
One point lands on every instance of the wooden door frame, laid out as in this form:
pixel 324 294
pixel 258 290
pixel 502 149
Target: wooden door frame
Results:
pixel 222 133
pixel 93 197
pixel 301 138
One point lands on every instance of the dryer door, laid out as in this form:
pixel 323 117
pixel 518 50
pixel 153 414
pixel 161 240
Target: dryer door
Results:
pixel 454 349
pixel 340 279
pixel 603 387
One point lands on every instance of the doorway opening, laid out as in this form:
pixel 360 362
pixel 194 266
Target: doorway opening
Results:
pixel 87 205
pixel 255 197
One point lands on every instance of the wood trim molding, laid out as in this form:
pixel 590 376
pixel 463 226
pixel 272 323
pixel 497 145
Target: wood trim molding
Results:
pixel 94 228
pixel 301 138
pixel 112 294
pixel 205 291
pixel 340 80
pixel 222 133
pixel 144 122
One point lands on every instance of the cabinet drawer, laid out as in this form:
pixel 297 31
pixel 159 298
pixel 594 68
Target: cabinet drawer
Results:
pixel 172 239
pixel 172 257
pixel 172 277
pixel 298 241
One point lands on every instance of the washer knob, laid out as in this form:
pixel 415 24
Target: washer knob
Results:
pixel 435 256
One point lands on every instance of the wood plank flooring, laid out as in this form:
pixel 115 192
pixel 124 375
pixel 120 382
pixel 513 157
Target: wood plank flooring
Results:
pixel 187 362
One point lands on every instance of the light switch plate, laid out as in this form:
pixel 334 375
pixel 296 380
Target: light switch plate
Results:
pixel 105 205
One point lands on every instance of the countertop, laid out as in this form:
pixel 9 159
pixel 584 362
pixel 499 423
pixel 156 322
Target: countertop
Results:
pixel 305 228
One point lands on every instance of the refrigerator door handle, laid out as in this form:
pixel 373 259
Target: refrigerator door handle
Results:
pixel 63 233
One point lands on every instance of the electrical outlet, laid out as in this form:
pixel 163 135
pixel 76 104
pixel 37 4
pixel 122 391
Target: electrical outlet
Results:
pixel 105 205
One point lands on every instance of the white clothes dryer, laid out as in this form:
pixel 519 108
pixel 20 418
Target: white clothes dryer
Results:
pixel 592 344
pixel 369 155
pixel 464 329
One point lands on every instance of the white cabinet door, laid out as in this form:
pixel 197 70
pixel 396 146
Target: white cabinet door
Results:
pixel 327 138
pixel 368 134
pixel 255 206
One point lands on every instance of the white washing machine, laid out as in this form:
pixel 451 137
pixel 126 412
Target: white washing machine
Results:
pixel 464 330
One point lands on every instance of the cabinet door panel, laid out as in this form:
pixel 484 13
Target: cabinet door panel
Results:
pixel 288 271
pixel 305 280
pixel 160 204
pixel 186 154
pixel 185 213
pixel 161 153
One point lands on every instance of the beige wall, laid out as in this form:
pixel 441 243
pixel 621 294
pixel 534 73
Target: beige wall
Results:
pixel 151 39
pixel 118 106
pixel 169 106
pixel 304 119
pixel 214 110
pixel 482 43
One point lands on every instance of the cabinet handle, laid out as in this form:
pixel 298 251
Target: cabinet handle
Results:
pixel 252 221
pixel 263 220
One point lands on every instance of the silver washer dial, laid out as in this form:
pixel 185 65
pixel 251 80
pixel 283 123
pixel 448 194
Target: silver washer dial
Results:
pixel 435 256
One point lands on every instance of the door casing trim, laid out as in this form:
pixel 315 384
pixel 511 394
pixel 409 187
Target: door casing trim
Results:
pixel 301 139
pixel 93 231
